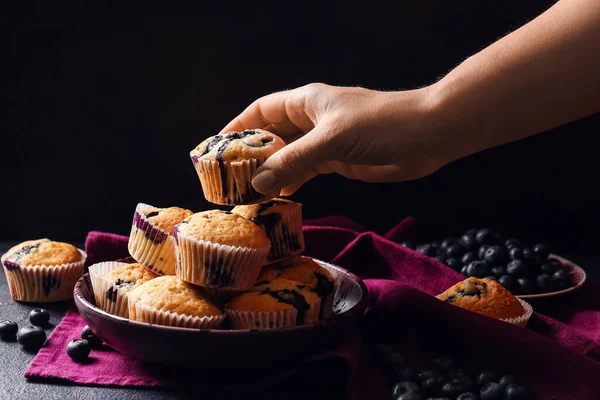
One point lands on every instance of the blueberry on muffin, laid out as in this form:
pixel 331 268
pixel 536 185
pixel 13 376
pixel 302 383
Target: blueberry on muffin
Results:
pixel 279 304
pixel 112 281
pixel 151 240
pixel 42 271
pixel 219 249
pixel 225 164
pixel 305 271
pixel 167 300
pixel 282 222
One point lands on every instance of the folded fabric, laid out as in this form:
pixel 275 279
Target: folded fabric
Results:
pixel 553 357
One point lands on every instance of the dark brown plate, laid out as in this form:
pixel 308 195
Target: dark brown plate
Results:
pixel 224 348
pixel 576 273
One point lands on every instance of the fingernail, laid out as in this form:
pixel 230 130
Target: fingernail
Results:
pixel 265 181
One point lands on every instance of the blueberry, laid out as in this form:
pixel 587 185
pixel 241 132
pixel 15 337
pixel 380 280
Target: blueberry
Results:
pixel 431 386
pixel 468 241
pixel 452 389
pixel 495 255
pixel 531 257
pixel 542 250
pixel 510 243
pixel 492 391
pixel 515 392
pixel 492 278
pixel 485 236
pixel 404 373
pixel 468 257
pixel 448 242
pixel 560 276
pixel 428 373
pixel 516 254
pixel 467 396
pixel 404 387
pixel 508 282
pixel 486 376
pixel 409 244
pixel 517 268
pixel 526 286
pixel 544 283
pixel 443 363
pixel 79 349
pixel 455 373
pixel 547 268
pixel 498 271
pixel 440 258
pixel 481 251
pixel 409 396
pixel 455 250
pixel 478 269
pixel 8 330
pixel 440 398
pixel 472 232
pixel 463 270
pixel 427 249
pixel 31 337
pixel 437 244
pixel 555 263
pixel 507 380
pixel 454 263
pixel 39 317
pixel 465 381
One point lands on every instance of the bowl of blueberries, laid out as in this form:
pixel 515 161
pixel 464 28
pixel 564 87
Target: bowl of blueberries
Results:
pixel 527 271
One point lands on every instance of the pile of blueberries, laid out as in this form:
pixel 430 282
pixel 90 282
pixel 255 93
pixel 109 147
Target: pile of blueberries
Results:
pixel 483 254
pixel 33 337
pixel 445 380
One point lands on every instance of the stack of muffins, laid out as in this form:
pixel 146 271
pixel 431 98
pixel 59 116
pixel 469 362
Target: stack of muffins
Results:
pixel 242 266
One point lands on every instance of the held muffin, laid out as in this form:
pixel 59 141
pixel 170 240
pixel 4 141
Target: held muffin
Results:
pixel 167 300
pixel 151 240
pixel 225 164
pixel 279 304
pixel 489 298
pixel 112 281
pixel 42 271
pixel 305 271
pixel 219 249
pixel 282 222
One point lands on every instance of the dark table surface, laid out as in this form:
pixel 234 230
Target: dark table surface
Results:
pixel 14 360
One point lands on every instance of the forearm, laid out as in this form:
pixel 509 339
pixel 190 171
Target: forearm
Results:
pixel 543 75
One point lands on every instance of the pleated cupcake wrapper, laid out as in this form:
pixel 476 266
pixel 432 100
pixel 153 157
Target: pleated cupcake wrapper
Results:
pixel 101 286
pixel 523 319
pixel 144 313
pixel 158 257
pixel 282 239
pixel 237 181
pixel 203 263
pixel 43 283
pixel 271 319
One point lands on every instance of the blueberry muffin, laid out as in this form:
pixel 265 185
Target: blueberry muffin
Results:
pixel 282 222
pixel 487 297
pixel 112 281
pixel 219 249
pixel 42 271
pixel 279 304
pixel 167 300
pixel 226 163
pixel 305 271
pixel 151 240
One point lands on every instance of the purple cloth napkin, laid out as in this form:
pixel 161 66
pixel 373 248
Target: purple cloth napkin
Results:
pixel 558 354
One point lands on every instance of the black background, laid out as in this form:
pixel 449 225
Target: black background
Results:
pixel 104 103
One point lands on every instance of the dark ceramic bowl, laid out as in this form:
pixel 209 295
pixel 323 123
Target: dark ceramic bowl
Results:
pixel 224 348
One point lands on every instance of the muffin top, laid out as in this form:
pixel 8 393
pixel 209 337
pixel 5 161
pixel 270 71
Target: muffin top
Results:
pixel 483 296
pixel 42 252
pixel 128 277
pixel 171 294
pixel 278 295
pixel 235 146
pixel 166 218
pixel 223 227
pixel 265 214
pixel 303 270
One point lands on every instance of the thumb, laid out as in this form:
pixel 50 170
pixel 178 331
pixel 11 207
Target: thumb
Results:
pixel 295 162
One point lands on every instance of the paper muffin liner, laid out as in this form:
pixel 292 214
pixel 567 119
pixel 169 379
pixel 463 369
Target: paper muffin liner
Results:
pixel 235 187
pixel 523 319
pixel 109 297
pixel 143 313
pixel 43 283
pixel 215 265
pixel 150 246
pixel 287 237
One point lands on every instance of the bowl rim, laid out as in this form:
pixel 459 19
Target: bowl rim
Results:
pixel 572 269
pixel 356 311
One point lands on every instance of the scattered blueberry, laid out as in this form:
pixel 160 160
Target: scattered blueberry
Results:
pixel 455 250
pixel 454 263
pixel 39 317
pixel 431 386
pixel 409 396
pixel 404 373
pixel 443 363
pixel 510 243
pixel 401 388
pixel 463 270
pixel 79 349
pixel 495 255
pixel 517 268
pixel 448 242
pixel 437 244
pixel 508 282
pixel 440 398
pixel 486 377
pixel 492 278
pixel 465 381
pixel 526 286
pixel 8 330
pixel 452 389
pixel 542 250
pixel 472 232
pixel 478 269
pixel 427 249
pixel 467 396
pixel 492 391
pixel 468 257
pixel 468 241
pixel 31 337
pixel 485 236
pixel 498 271
pixel 544 283
pixel 440 258
pixel 428 373
pixel 515 392
pixel 481 251
pixel 516 253
pixel 455 373
pixel 409 244
pixel 507 380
